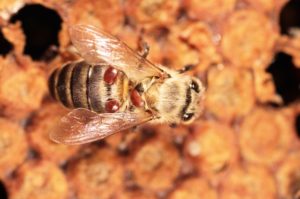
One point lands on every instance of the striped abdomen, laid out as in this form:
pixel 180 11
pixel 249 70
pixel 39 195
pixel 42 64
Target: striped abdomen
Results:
pixel 81 85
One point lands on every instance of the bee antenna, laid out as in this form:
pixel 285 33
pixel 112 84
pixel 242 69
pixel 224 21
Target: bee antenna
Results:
pixel 186 68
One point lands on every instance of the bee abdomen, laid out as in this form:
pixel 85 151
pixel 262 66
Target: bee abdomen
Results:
pixel 59 85
pixel 69 85
pixel 80 85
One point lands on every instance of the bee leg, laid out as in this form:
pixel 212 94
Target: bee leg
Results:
pixel 143 47
pixel 186 68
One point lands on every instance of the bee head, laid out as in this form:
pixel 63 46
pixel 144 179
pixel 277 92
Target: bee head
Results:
pixel 180 99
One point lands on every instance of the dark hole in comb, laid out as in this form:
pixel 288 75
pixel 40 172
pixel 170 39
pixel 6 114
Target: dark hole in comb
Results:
pixel 286 78
pixel 289 16
pixel 3 191
pixel 41 26
pixel 5 46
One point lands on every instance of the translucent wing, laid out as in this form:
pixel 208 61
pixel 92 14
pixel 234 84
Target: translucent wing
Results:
pixel 95 45
pixel 82 126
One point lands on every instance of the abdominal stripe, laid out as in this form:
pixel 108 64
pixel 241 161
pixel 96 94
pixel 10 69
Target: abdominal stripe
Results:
pixel 79 85
pixel 94 88
pixel 63 85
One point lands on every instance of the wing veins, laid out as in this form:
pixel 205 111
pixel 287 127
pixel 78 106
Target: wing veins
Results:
pixel 95 45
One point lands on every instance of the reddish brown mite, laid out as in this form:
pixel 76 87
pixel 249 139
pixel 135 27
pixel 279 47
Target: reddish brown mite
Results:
pixel 136 98
pixel 110 75
pixel 112 106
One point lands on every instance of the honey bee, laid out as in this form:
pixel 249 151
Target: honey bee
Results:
pixel 115 88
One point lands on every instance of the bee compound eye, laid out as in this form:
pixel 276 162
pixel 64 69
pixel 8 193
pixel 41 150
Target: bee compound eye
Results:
pixel 187 116
pixel 195 86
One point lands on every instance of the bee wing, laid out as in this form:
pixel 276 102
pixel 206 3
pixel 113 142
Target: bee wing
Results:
pixel 95 46
pixel 82 126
